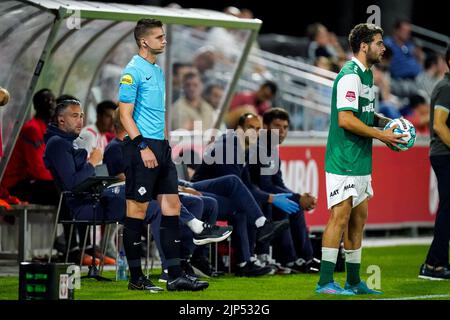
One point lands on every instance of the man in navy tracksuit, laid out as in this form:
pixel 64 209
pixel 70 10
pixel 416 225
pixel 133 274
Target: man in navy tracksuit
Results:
pixel 227 157
pixel 69 166
pixel 294 247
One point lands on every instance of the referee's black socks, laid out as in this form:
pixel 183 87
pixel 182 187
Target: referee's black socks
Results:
pixel 132 243
pixel 170 243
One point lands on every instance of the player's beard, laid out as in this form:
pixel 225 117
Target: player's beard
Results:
pixel 372 57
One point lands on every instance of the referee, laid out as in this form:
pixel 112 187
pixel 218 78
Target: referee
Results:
pixel 149 170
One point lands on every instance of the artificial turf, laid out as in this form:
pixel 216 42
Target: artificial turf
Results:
pixel 399 267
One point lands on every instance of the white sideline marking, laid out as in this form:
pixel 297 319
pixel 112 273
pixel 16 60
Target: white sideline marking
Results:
pixel 419 297
pixel 383 242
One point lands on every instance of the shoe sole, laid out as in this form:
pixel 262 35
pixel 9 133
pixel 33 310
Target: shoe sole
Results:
pixel 336 293
pixel 210 240
pixel 200 289
pixel 433 278
pixel 151 291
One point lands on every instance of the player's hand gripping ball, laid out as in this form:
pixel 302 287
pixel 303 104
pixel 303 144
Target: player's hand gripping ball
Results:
pixel 404 127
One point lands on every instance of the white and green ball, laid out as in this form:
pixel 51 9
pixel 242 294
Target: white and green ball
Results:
pixel 404 127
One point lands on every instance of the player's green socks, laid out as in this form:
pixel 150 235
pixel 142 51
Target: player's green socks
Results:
pixel 352 265
pixel 327 264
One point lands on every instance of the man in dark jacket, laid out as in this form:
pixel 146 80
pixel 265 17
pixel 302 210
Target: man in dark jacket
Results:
pixel 227 157
pixel 294 247
pixel 69 166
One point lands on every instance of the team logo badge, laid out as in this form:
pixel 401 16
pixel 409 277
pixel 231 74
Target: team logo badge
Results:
pixel 350 96
pixel 142 191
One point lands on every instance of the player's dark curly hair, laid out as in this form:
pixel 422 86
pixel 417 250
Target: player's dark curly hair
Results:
pixel 143 26
pixel 363 33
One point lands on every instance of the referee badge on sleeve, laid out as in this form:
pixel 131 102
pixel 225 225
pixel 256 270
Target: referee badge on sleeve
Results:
pixel 126 79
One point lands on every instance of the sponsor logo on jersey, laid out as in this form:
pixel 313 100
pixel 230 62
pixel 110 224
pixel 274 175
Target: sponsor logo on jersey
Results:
pixel 368 108
pixel 333 193
pixel 350 96
pixel 349 186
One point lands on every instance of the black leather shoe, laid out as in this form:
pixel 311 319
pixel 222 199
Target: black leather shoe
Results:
pixel 186 283
pixel 144 284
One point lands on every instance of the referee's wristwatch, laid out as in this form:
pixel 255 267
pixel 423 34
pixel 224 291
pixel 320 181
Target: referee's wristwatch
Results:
pixel 140 143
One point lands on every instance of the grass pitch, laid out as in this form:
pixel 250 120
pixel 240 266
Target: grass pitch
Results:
pixel 398 266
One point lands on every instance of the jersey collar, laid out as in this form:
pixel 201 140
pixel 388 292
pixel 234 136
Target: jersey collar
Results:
pixel 360 65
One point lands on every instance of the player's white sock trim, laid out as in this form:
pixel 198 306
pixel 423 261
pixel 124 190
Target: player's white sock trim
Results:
pixel 195 225
pixel 330 254
pixel 353 256
pixel 260 222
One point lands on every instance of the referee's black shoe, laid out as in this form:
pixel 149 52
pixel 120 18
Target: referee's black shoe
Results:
pixel 211 233
pixel 144 284
pixel 186 283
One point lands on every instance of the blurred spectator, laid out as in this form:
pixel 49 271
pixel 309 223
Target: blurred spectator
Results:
pixel 389 103
pixel 406 57
pixel 204 61
pixel 324 63
pixel 97 136
pixel 418 112
pixel 323 44
pixel 213 94
pixel 179 69
pixel 433 73
pixel 26 175
pixel 246 14
pixel 260 99
pixel 256 102
pixel 226 42
pixel 192 106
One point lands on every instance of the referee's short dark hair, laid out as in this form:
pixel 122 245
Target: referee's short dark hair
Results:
pixel 143 26
pixel 363 33
pixel 275 113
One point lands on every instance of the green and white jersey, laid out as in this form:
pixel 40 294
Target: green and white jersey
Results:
pixel 348 153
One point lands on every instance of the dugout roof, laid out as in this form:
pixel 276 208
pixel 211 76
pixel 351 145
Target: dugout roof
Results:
pixel 79 48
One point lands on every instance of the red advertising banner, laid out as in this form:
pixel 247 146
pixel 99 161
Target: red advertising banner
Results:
pixel 404 192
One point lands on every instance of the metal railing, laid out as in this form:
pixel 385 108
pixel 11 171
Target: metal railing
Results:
pixel 430 39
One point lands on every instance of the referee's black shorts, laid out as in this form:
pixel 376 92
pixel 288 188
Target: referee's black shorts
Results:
pixel 144 184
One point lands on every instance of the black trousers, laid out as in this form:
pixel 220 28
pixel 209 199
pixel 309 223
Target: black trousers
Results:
pixel 438 253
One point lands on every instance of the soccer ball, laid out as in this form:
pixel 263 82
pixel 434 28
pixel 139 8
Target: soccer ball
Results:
pixel 404 127
pixel 4 97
